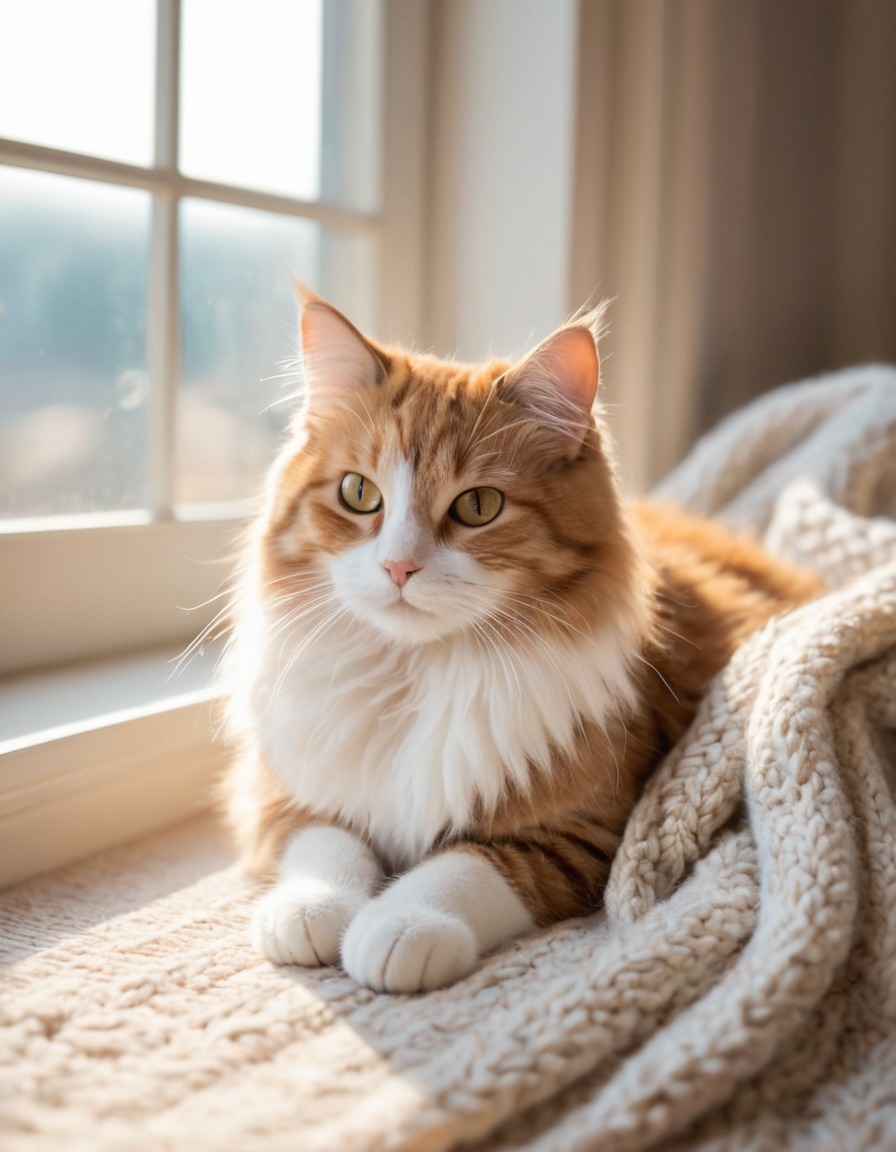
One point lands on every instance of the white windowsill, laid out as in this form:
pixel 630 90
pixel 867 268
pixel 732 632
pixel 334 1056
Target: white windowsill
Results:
pixel 97 754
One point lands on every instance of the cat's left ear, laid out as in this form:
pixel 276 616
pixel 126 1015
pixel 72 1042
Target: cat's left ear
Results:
pixel 558 383
pixel 337 360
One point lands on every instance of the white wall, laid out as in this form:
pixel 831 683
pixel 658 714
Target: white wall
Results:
pixel 501 171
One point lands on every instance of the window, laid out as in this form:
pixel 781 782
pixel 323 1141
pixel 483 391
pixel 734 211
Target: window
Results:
pixel 165 167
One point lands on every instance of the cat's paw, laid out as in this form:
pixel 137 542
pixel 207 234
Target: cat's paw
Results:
pixel 302 920
pixel 415 949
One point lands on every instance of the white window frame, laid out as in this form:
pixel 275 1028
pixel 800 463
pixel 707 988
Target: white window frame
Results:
pixel 133 581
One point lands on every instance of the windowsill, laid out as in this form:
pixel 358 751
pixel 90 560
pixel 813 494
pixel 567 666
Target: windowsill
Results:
pixel 37 704
pixel 96 754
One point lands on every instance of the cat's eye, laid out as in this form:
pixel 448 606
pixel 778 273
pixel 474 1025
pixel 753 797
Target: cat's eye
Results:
pixel 477 506
pixel 360 494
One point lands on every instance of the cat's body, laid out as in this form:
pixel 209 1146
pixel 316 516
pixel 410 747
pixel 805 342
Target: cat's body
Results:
pixel 458 655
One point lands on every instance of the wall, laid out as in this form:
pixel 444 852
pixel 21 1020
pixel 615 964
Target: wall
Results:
pixel 501 173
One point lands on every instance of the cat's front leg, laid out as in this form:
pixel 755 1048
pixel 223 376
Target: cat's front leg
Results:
pixel 327 875
pixel 432 925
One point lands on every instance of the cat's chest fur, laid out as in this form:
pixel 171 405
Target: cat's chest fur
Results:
pixel 404 744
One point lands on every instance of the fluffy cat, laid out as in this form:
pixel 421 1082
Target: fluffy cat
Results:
pixel 457 654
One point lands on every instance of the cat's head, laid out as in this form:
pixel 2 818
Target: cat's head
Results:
pixel 428 498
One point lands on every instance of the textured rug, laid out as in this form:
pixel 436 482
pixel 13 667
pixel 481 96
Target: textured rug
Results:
pixel 739 992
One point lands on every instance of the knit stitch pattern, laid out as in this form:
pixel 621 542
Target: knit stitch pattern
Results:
pixel 738 992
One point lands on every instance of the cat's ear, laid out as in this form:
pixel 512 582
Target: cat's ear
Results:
pixel 337 360
pixel 558 383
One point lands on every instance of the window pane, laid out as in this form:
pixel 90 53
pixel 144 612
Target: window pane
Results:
pixel 79 75
pixel 240 336
pixel 73 380
pixel 251 93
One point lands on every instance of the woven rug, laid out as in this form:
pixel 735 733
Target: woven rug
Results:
pixel 739 992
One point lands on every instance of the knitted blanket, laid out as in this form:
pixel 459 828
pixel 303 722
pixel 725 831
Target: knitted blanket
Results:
pixel 739 992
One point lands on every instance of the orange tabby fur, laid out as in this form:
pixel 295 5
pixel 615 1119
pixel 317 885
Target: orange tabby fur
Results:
pixel 579 556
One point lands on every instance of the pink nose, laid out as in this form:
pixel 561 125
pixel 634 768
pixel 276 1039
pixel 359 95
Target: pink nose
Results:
pixel 401 570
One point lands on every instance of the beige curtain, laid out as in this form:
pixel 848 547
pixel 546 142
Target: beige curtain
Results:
pixel 735 190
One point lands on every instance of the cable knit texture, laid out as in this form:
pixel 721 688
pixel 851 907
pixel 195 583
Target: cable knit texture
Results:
pixel 738 993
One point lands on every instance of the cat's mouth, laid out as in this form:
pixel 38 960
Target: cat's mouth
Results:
pixel 403 617
pixel 403 606
pixel 403 620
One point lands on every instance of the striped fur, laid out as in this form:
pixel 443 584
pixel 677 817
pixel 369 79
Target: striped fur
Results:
pixel 508 701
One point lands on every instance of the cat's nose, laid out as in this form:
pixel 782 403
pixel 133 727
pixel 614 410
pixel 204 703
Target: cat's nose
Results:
pixel 401 570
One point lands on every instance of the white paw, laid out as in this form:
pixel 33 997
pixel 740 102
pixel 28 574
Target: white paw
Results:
pixel 409 950
pixel 302 920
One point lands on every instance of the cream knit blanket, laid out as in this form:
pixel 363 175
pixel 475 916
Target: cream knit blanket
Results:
pixel 739 992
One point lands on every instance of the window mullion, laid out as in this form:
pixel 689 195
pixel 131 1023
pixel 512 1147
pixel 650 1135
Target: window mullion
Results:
pixel 164 337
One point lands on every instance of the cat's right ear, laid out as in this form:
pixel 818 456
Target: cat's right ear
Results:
pixel 337 361
pixel 557 384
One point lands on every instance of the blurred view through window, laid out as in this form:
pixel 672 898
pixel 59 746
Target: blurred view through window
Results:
pixel 79 229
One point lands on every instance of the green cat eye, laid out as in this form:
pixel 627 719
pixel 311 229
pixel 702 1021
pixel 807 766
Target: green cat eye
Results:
pixel 477 506
pixel 360 494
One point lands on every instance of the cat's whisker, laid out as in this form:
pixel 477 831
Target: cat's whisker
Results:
pixel 503 430
pixel 500 652
pixel 617 706
pixel 202 638
pixel 306 595
pixel 532 603
pixel 684 639
pixel 227 591
pixel 671 600
pixel 308 641
pixel 624 728
pixel 642 660
pixel 536 600
pixel 290 374
pixel 216 629
pixel 368 426
pixel 298 586
pixel 285 633
pixel 511 621
pixel 293 399
pixel 292 620
pixel 287 622
pixel 557 667
pixel 471 439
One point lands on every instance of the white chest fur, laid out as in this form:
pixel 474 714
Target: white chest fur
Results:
pixel 400 743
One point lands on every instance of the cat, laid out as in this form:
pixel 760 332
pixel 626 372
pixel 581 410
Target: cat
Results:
pixel 457 654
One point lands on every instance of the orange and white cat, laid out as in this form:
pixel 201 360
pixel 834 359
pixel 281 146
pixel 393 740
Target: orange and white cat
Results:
pixel 457 654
